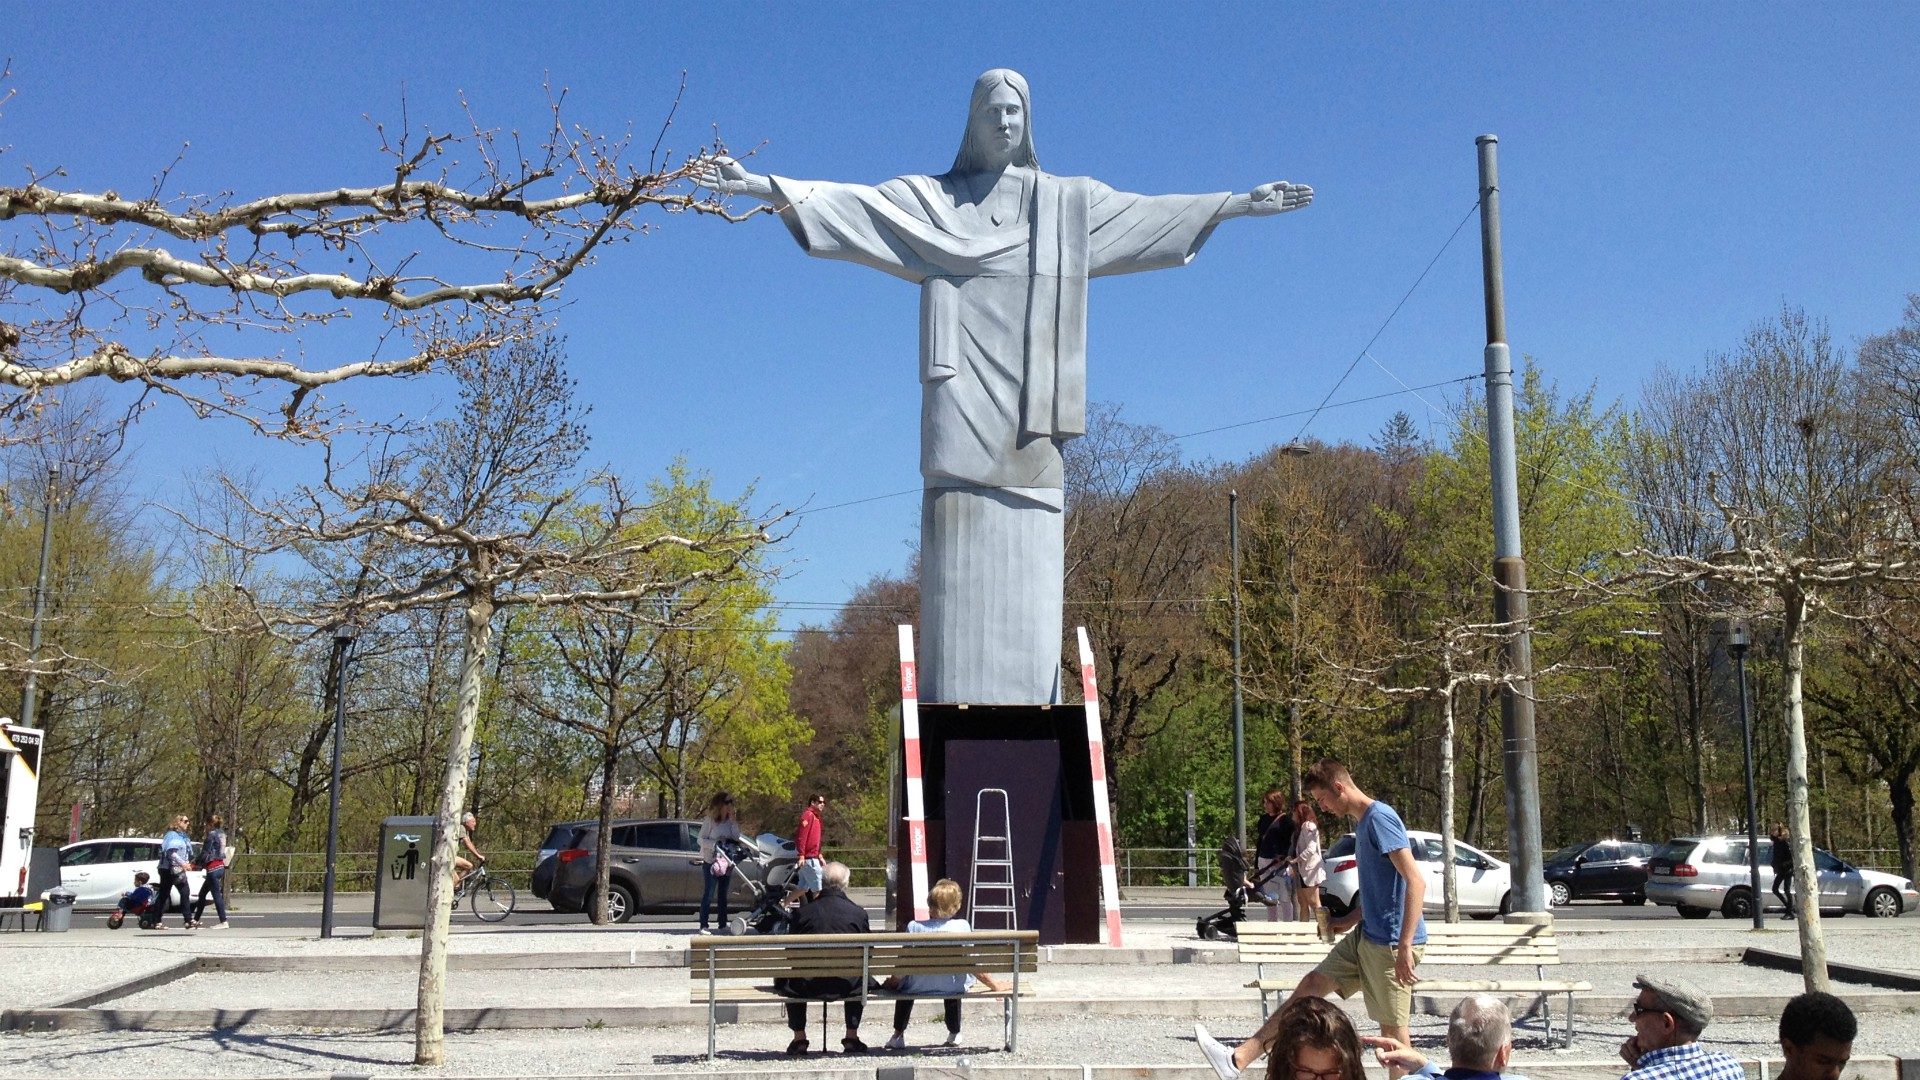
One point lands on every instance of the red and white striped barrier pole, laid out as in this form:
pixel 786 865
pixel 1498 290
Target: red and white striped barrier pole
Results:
pixel 916 796
pixel 1096 747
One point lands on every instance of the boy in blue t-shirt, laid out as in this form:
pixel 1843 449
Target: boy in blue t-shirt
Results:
pixel 134 901
pixel 1379 957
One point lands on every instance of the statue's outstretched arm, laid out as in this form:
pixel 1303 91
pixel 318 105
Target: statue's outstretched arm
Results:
pixel 1265 200
pixel 725 176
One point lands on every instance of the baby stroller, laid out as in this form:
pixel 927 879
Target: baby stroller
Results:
pixel 766 863
pixel 1240 890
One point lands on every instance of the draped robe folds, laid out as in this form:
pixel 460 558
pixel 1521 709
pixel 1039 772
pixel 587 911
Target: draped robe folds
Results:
pixel 1003 385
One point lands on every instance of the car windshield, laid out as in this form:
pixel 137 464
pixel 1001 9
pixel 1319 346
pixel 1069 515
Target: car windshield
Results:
pixel 1567 854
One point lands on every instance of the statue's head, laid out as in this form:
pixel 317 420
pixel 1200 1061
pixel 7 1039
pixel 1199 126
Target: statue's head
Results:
pixel 999 124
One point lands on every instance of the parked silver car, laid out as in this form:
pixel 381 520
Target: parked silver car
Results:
pixel 1698 875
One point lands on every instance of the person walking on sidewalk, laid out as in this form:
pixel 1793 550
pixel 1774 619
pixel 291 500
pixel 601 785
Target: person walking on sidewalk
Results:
pixel 1668 1016
pixel 717 881
pixel 176 856
pixel 806 844
pixel 1309 869
pixel 1783 870
pixel 1387 933
pixel 1273 847
pixel 213 866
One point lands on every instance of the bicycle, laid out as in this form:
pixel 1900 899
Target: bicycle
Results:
pixel 491 898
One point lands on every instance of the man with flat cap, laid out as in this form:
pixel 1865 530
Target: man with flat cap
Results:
pixel 1668 1016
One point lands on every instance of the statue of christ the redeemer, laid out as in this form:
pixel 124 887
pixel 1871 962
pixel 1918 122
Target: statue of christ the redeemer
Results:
pixel 1002 253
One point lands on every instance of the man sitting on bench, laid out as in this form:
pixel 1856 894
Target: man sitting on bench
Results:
pixel 829 913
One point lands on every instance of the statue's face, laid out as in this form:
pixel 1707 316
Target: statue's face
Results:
pixel 1000 124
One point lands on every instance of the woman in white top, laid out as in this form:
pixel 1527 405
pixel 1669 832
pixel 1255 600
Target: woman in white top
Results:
pixel 943 903
pixel 719 825
pixel 1309 871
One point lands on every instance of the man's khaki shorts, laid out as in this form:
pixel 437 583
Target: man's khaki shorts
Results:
pixel 1356 964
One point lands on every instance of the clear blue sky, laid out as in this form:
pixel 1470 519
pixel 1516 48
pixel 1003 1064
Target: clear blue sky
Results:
pixel 1671 175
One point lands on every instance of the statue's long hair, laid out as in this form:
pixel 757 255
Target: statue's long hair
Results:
pixel 969 159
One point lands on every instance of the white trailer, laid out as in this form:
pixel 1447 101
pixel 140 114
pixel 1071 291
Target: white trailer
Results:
pixel 19 792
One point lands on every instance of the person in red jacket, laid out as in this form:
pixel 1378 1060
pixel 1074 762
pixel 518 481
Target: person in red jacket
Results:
pixel 806 841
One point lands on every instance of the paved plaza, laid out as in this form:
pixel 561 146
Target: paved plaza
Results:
pixel 575 1000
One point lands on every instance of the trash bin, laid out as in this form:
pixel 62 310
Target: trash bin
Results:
pixel 57 915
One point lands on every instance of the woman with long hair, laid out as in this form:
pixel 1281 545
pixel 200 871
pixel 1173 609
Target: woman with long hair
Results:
pixel 1309 871
pixel 1273 842
pixel 718 875
pixel 1316 1042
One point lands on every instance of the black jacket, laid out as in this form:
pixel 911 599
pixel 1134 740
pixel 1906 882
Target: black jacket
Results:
pixel 1276 837
pixel 831 913
pixel 1783 855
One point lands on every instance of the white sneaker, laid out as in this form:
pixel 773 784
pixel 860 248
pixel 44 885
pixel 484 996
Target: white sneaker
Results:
pixel 1219 1055
pixel 953 1039
pixel 896 1043
pixel 221 925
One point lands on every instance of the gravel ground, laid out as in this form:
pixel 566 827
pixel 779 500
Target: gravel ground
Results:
pixel 35 969
pixel 1139 1040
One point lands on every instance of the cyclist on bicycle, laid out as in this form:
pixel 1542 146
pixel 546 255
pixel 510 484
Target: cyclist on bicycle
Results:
pixel 461 866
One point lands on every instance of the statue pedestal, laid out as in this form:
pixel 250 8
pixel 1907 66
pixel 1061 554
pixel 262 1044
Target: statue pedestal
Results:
pixel 1041 757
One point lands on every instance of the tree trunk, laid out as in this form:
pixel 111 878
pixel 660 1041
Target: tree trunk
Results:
pixel 603 844
pixel 1901 791
pixel 1449 877
pixel 429 1035
pixel 1806 877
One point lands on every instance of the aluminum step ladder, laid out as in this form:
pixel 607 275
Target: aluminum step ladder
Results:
pixel 998 871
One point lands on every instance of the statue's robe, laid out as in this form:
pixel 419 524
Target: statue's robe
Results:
pixel 1003 331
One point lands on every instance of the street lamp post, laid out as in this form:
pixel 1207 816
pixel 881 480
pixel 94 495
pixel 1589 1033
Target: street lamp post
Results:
pixel 342 641
pixel 1738 638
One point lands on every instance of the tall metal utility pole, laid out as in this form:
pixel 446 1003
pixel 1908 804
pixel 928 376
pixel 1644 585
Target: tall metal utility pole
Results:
pixel 29 693
pixel 343 635
pixel 1522 756
pixel 1239 718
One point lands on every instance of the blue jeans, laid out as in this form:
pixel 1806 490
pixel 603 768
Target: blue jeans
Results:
pixel 214 882
pixel 710 887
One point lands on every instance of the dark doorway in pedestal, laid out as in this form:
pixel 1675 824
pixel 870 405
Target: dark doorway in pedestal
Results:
pixel 1038 754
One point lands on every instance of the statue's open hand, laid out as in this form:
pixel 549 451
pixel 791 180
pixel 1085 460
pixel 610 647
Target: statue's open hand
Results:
pixel 1278 198
pixel 723 175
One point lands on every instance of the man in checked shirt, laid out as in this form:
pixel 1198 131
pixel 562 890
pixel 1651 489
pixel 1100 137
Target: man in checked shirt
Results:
pixel 1668 1016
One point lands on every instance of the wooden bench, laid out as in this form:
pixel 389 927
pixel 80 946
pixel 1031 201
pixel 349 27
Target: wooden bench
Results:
pixel 864 958
pixel 1448 944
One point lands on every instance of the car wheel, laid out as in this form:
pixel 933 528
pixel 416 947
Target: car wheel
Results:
pixel 1562 896
pixel 1738 904
pixel 1882 903
pixel 1506 904
pixel 1689 912
pixel 1634 901
pixel 1204 930
pixel 621 903
pixel 1483 916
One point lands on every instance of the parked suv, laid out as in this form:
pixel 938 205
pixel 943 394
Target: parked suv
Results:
pixel 1486 883
pixel 1600 870
pixel 654 868
pixel 1698 875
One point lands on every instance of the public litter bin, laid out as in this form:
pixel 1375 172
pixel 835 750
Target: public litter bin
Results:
pixel 400 879
pixel 57 914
